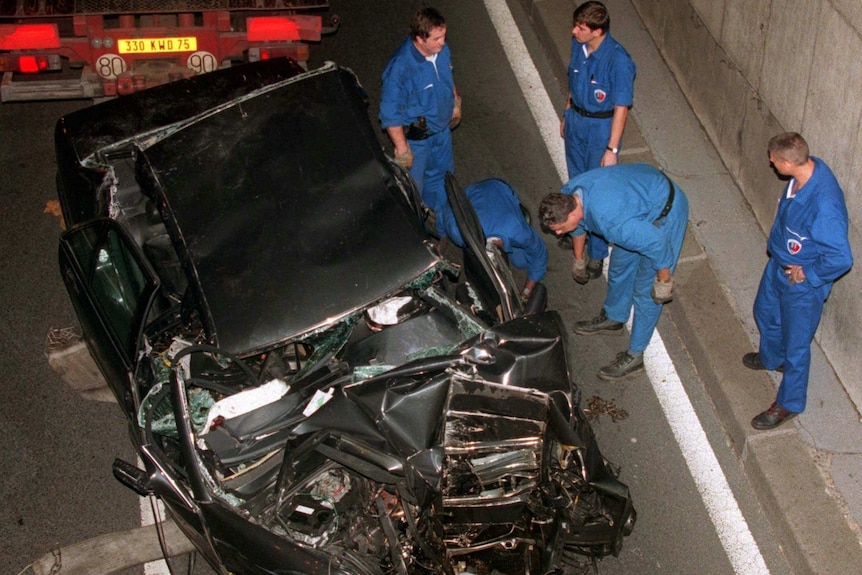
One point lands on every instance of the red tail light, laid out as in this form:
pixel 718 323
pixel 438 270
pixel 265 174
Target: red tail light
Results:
pixel 283 28
pixel 29 36
pixel 299 52
pixel 272 28
pixel 30 63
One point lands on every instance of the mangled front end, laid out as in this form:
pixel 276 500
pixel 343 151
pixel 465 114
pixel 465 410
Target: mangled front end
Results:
pixel 470 462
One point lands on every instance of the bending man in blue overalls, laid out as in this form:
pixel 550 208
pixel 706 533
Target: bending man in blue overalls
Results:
pixel 499 211
pixel 808 250
pixel 601 90
pixel 644 214
pixel 419 105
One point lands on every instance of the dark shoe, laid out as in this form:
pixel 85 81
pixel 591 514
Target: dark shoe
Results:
pixel 565 242
pixel 623 366
pixel 772 417
pixel 594 269
pixel 599 324
pixel 752 361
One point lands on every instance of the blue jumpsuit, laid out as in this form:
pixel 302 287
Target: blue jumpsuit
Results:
pixel 810 230
pixel 499 212
pixel 597 83
pixel 622 203
pixel 414 86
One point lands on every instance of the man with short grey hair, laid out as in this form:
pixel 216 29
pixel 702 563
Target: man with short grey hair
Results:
pixel 808 250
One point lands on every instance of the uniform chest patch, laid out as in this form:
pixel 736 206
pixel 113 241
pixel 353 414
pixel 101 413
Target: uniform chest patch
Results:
pixel 794 246
pixel 600 95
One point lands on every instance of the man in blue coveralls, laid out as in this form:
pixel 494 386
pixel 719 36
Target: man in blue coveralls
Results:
pixel 601 90
pixel 644 214
pixel 808 250
pixel 420 105
pixel 499 211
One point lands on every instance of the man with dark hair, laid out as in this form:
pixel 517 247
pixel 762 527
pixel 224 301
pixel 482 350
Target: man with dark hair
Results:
pixel 499 211
pixel 420 105
pixel 808 250
pixel 644 214
pixel 601 90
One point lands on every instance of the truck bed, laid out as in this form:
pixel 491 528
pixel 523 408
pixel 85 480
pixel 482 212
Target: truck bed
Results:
pixel 52 8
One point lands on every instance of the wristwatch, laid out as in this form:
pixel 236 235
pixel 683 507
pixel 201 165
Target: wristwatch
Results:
pixel 614 150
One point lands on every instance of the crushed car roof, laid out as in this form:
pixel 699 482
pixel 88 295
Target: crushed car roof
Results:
pixel 287 208
pixel 117 120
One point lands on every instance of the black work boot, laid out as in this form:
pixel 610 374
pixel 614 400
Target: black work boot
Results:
pixel 772 417
pixel 752 361
pixel 598 324
pixel 623 366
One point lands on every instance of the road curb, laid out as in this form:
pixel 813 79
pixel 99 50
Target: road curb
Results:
pixel 794 495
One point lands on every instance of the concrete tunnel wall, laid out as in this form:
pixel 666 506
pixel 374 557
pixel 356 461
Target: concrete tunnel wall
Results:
pixel 754 68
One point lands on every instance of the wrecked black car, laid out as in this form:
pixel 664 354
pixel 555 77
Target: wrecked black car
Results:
pixel 312 387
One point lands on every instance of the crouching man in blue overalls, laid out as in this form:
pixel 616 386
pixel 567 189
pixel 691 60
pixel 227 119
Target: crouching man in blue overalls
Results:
pixel 644 215
pixel 419 106
pixel 808 250
pixel 499 211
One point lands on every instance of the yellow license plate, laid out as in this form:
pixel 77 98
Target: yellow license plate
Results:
pixel 157 45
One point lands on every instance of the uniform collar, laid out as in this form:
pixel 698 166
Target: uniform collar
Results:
pixel 579 191
pixel 602 50
pixel 414 51
pixel 417 55
pixel 804 195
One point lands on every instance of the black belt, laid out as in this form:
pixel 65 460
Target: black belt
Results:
pixel 599 115
pixel 669 204
pixel 418 130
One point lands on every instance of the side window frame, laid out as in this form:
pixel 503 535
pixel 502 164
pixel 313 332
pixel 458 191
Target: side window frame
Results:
pixel 117 279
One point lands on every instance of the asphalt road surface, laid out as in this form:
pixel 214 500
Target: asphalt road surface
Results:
pixel 56 483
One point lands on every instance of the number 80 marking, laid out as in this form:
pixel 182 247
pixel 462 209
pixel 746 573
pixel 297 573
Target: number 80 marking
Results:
pixel 109 66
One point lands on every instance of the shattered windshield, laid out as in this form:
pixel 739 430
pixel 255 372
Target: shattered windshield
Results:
pixel 287 211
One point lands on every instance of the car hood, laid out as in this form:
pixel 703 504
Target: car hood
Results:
pixel 285 210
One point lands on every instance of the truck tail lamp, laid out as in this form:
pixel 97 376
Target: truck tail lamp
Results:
pixel 30 63
pixel 284 28
pixel 29 36
pixel 298 52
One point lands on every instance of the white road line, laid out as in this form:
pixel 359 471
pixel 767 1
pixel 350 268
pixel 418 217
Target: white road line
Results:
pixel 733 531
pixel 531 84
pixel 159 567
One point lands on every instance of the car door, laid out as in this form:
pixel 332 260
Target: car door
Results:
pixel 485 264
pixel 111 287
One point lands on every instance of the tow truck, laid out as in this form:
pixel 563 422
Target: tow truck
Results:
pixel 78 49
